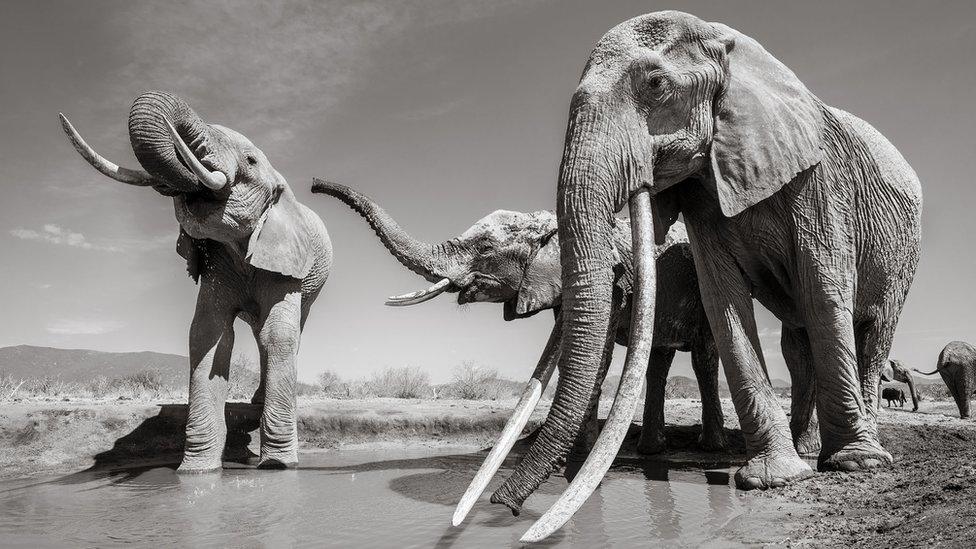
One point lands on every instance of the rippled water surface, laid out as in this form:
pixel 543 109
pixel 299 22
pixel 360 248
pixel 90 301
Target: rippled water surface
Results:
pixel 355 499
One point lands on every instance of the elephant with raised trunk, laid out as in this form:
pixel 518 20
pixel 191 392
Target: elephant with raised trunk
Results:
pixel 787 200
pixel 512 258
pixel 256 252
pixel 957 366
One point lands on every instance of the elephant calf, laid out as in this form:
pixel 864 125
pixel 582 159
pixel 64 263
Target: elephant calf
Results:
pixel 891 394
pixel 257 253
pixel 513 258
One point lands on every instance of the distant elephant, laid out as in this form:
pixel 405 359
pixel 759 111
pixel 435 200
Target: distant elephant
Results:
pixel 891 394
pixel 957 366
pixel 512 258
pixel 895 370
pixel 787 200
pixel 258 255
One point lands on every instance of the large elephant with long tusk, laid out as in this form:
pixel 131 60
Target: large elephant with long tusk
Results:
pixel 787 200
pixel 257 253
pixel 512 258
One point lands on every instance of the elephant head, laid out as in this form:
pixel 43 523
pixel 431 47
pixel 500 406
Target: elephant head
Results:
pixel 506 257
pixel 665 101
pixel 224 188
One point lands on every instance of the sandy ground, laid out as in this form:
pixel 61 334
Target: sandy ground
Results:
pixel 928 497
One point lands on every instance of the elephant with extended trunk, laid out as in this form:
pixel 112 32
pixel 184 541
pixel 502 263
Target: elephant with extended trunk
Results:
pixel 257 253
pixel 957 366
pixel 787 200
pixel 513 258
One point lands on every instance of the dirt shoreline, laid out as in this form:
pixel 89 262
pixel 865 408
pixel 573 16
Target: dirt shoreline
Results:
pixel 927 498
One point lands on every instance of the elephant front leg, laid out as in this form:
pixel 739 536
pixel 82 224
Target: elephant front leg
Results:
pixel 211 344
pixel 803 411
pixel 704 361
pixel 278 339
pixel 652 439
pixel 773 460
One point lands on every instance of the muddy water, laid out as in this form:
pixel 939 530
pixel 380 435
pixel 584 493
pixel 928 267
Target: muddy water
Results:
pixel 358 499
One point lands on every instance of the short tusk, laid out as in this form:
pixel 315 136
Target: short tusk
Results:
pixel 213 180
pixel 513 428
pixel 632 378
pixel 419 296
pixel 138 178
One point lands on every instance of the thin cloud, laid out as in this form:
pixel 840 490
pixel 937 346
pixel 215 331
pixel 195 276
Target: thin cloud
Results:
pixel 56 234
pixel 60 236
pixel 83 326
pixel 257 56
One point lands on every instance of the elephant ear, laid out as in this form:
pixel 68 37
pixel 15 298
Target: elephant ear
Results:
pixel 281 242
pixel 194 251
pixel 768 126
pixel 542 286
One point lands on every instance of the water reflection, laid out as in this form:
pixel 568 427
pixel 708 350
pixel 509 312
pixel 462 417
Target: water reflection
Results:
pixel 356 499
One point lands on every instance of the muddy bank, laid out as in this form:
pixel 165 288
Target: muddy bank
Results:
pixel 927 499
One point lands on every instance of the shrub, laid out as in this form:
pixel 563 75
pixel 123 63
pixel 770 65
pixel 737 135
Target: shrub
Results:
pixel 331 384
pixel 99 386
pixel 473 382
pixel 407 382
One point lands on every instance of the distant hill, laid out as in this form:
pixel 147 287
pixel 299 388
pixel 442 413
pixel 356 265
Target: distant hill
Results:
pixel 779 383
pixel 28 361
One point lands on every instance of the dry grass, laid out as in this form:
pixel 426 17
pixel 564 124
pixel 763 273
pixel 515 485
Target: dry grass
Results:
pixel 144 385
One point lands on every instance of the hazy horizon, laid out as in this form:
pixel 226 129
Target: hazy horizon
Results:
pixel 442 112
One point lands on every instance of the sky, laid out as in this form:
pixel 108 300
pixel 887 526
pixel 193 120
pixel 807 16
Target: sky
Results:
pixel 442 111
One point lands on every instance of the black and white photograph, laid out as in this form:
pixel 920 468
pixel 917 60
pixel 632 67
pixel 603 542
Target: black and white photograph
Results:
pixel 487 273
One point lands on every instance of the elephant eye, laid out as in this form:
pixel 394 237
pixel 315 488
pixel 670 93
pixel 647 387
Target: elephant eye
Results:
pixel 251 159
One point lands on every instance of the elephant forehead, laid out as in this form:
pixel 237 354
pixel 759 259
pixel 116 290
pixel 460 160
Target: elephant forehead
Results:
pixel 233 135
pixel 505 226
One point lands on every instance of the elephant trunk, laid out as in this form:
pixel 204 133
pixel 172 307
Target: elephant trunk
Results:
pixel 586 205
pixel 154 145
pixel 434 262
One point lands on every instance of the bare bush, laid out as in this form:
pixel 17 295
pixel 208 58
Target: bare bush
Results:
pixel 406 382
pixel 330 384
pixel 244 378
pixel 473 382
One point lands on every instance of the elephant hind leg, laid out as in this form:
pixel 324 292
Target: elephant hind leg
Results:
pixel 803 390
pixel 704 361
pixel 652 439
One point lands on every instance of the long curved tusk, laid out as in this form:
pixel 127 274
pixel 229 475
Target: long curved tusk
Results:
pixel 419 296
pixel 138 178
pixel 632 378
pixel 214 181
pixel 513 428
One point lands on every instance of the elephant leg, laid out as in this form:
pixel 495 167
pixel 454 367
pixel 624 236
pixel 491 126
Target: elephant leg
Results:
pixel 773 460
pixel 803 394
pixel 954 376
pixel 258 397
pixel 652 440
pixel 704 361
pixel 278 339
pixel 211 345
pixel 846 394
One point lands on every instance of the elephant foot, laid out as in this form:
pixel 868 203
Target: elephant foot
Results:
pixel 856 457
pixel 199 464
pixel 712 440
pixel 275 464
pixel 808 446
pixel 772 471
pixel 651 442
pixel 279 459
